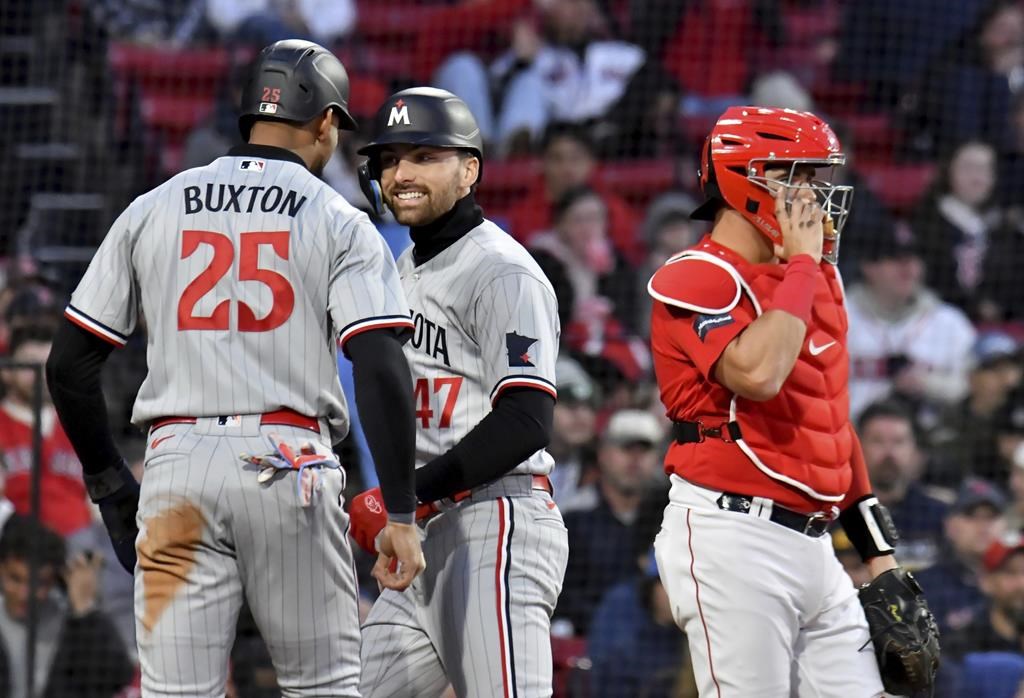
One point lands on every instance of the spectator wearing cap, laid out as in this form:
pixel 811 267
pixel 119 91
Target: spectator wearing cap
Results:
pixel 998 625
pixel 601 548
pixel 572 438
pixel 974 520
pixel 966 435
pixel 894 462
pixel 903 339
pixel 1010 432
pixel 667 230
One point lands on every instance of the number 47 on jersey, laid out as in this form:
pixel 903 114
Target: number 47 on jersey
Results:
pixel 447 389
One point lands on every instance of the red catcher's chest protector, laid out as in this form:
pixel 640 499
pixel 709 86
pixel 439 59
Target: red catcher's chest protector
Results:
pixel 801 436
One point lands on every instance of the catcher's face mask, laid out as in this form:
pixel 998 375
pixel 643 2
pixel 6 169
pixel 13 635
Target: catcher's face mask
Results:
pixel 834 199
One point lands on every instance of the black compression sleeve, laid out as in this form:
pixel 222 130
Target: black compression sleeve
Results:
pixel 518 426
pixel 384 398
pixel 73 373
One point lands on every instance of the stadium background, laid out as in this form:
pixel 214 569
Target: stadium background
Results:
pixel 593 112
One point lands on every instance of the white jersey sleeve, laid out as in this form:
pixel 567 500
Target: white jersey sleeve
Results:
pixel 106 301
pixel 365 292
pixel 516 319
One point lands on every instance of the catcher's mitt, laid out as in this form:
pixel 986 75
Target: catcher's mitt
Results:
pixel 903 631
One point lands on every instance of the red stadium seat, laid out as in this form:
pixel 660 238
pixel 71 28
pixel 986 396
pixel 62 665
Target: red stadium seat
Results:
pixel 637 181
pixel 899 186
pixel 166 70
pixel 505 182
pixel 873 134
pixel 175 114
pixel 569 655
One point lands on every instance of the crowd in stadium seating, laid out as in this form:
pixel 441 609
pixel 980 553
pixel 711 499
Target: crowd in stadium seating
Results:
pixel 593 111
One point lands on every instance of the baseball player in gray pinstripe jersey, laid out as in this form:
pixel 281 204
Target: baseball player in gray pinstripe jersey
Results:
pixel 249 272
pixel 483 364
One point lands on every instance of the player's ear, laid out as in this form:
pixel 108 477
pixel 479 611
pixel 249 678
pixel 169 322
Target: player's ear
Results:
pixel 327 119
pixel 470 170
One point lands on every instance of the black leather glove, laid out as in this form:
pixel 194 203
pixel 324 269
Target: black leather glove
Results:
pixel 903 631
pixel 116 492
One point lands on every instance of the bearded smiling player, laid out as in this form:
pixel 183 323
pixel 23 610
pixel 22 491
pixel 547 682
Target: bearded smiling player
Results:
pixel 483 363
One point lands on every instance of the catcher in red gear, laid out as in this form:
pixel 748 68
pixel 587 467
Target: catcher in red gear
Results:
pixel 749 342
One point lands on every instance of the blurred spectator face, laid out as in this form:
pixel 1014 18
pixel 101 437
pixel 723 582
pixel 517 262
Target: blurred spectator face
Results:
pixel 14 584
pixel 583 226
pixel 422 183
pixel 574 422
pixel 628 456
pixel 1017 483
pixel 972 531
pixel 1002 38
pixel 19 382
pixel 996 379
pixel 571 21
pixel 972 173
pixel 674 236
pixel 897 279
pixel 1009 424
pixel 568 163
pixel 1017 121
pixel 1005 587
pixel 890 452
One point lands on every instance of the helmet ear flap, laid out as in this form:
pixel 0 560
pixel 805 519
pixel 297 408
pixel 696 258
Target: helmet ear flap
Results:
pixel 369 182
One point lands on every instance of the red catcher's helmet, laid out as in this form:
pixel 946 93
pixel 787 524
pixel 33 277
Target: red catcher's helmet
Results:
pixel 747 140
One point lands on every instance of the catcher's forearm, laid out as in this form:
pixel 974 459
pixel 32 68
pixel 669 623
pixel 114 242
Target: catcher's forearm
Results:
pixel 73 373
pixel 880 564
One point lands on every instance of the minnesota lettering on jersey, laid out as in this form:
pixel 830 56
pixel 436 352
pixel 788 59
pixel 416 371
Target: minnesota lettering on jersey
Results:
pixel 242 198
pixel 429 337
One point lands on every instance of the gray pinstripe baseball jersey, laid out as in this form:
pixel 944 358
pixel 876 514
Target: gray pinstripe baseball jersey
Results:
pixel 479 616
pixel 248 272
pixel 486 320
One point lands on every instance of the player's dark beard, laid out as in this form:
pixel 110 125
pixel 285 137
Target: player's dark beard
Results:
pixel 439 202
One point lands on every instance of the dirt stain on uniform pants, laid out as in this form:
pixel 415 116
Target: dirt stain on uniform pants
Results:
pixel 166 556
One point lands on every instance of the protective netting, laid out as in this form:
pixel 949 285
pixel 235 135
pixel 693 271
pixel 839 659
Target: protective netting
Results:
pixel 593 112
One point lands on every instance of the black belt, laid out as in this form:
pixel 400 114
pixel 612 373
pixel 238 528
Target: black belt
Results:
pixel 696 432
pixel 814 525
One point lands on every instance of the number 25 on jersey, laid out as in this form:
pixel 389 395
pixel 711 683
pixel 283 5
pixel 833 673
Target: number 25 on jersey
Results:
pixel 248 270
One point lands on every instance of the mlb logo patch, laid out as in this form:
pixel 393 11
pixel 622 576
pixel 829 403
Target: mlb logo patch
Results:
pixel 229 420
pixel 268 108
pixel 252 165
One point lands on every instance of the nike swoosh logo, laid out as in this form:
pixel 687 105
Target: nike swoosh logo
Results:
pixel 157 442
pixel 815 350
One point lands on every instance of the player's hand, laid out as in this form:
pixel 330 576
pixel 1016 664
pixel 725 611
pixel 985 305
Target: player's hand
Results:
pixel 367 518
pixel 801 222
pixel 119 510
pixel 82 580
pixel 398 543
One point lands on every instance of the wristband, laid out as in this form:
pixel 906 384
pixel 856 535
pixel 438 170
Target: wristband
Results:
pixel 869 527
pixel 795 295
